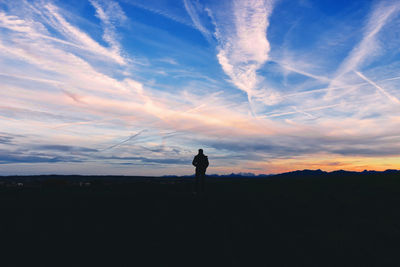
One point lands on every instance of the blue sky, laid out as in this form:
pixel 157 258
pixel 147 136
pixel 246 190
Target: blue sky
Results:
pixel 135 87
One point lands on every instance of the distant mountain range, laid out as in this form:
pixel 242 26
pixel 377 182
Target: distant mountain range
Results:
pixel 298 173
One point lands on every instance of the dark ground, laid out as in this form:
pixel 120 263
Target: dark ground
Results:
pixel 307 220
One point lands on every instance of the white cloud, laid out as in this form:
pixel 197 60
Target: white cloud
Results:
pixel 243 46
pixel 156 8
pixel 111 15
pixel 383 91
pixel 76 35
pixel 191 7
pixel 368 47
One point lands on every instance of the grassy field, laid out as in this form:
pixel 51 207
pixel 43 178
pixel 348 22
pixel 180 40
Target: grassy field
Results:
pixel 328 220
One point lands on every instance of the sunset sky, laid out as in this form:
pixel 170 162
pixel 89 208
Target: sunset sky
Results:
pixel 136 87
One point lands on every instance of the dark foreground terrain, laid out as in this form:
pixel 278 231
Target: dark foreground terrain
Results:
pixel 297 219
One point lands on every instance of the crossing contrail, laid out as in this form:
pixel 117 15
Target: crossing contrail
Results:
pixel 383 91
pixel 123 142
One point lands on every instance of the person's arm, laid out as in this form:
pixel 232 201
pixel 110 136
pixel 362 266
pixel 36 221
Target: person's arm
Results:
pixel 194 162
pixel 207 163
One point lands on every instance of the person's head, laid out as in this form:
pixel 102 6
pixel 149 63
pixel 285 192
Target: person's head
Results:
pixel 200 151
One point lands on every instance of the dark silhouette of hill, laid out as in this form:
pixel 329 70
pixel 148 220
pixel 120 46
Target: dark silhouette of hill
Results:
pixel 118 179
pixel 301 218
pixel 320 173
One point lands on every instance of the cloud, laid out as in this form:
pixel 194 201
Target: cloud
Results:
pixel 111 15
pixel 192 7
pixel 167 60
pixel 366 151
pixel 65 148
pixel 243 46
pixel 12 157
pixel 6 139
pixel 368 47
pixel 319 143
pixel 144 160
pixel 273 149
pixel 158 9
pixel 125 141
pixel 58 22
pixel 383 91
pixel 296 110
pixel 26 113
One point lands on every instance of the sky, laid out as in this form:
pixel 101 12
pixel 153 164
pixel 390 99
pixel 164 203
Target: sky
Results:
pixel 136 87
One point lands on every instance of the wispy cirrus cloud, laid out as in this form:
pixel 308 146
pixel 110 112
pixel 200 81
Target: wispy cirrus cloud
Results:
pixel 243 45
pixel 192 7
pixel 79 37
pixel 162 10
pixel 111 15
pixel 369 47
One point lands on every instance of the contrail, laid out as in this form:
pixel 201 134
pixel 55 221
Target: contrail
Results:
pixel 334 88
pixel 126 140
pixel 30 78
pixel 298 111
pixel 304 112
pixel 383 91
pixel 304 73
pixel 391 79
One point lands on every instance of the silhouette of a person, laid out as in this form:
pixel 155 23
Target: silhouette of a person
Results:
pixel 200 161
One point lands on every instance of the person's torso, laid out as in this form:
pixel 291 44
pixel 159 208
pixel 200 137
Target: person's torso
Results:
pixel 202 161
